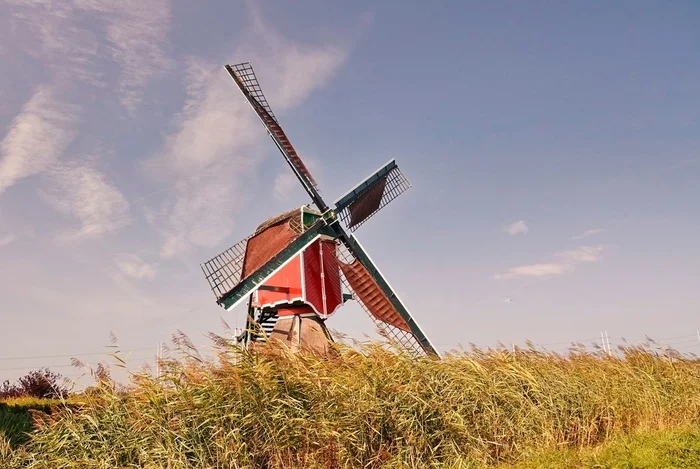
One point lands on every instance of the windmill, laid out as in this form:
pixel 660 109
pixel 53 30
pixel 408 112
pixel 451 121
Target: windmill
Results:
pixel 299 267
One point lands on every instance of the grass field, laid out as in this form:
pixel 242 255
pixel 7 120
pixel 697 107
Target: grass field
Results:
pixel 375 408
pixel 673 448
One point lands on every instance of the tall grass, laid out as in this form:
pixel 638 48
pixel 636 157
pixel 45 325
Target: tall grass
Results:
pixel 365 408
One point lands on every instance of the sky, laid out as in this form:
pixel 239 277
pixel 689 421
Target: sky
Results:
pixel 553 149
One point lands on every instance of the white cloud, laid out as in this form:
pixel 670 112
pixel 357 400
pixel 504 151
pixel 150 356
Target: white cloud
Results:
pixel 588 233
pixel 136 31
pixel 534 270
pixel 213 153
pixel 288 71
pixel 209 131
pixel 49 32
pixel 583 254
pixel 85 194
pixel 201 212
pixel 284 184
pixel 519 227
pixel 568 263
pixel 70 41
pixel 37 137
pixel 208 157
pixel 133 266
pixel 7 239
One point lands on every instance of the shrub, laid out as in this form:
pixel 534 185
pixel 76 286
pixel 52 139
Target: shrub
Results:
pixel 42 384
pixel 9 391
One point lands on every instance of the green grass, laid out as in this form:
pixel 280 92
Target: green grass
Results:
pixel 677 448
pixel 373 408
pixel 15 424
pixel 16 421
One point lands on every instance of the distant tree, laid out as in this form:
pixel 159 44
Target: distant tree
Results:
pixel 42 384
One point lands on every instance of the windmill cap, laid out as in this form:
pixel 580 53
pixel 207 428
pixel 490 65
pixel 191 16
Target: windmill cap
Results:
pixel 285 217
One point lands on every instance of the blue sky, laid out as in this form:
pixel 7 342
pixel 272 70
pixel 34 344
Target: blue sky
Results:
pixel 553 148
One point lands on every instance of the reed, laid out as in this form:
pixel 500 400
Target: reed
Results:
pixel 367 407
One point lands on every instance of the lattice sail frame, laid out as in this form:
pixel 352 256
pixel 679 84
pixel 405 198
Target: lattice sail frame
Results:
pixel 245 72
pixel 225 271
pixel 371 195
pixel 245 79
pixel 404 339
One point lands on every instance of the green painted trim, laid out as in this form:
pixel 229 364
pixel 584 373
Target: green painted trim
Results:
pixel 259 276
pixel 329 216
pixel 364 186
pixel 308 219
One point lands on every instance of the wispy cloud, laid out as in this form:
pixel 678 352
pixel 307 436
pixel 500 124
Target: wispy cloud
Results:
pixel 50 32
pixel 582 254
pixel 133 266
pixel 208 158
pixel 568 262
pixel 136 31
pixel 212 154
pixel 83 193
pixel 535 270
pixel 519 227
pixel 37 137
pixel 77 37
pixel 284 184
pixel 7 239
pixel 588 233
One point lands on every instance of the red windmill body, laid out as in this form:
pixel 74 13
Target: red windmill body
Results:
pixel 311 277
pixel 309 283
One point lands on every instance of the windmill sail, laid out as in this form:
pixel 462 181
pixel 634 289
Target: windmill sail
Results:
pixel 374 294
pixel 224 271
pixel 244 77
pixel 368 292
pixel 228 269
pixel 371 195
